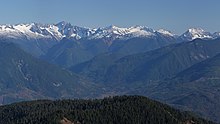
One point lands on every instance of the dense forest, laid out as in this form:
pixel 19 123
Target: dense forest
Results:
pixel 111 110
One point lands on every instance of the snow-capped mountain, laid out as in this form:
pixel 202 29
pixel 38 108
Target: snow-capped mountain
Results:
pixel 38 31
pixel 69 31
pixel 122 33
pixel 29 31
pixel 166 32
pixel 216 34
pixel 194 33
pixel 54 41
pixel 66 30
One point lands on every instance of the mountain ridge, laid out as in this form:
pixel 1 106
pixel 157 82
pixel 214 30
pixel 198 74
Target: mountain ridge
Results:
pixel 67 30
pixel 149 65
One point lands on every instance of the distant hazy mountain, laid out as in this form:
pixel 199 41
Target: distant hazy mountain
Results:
pixel 150 66
pixel 23 77
pixel 68 52
pixel 117 110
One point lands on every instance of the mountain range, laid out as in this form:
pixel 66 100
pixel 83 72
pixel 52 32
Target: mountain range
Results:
pixel 66 30
pixel 49 41
pixel 151 66
pixel 53 61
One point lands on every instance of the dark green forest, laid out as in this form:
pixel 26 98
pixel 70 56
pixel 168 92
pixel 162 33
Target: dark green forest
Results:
pixel 111 110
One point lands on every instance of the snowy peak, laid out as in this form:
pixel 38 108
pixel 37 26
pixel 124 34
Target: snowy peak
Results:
pixel 166 32
pixel 112 29
pixel 141 31
pixel 18 31
pixel 194 33
pixel 216 35
pixel 69 31
pixel 114 32
pixel 108 32
pixel 29 31
pixel 38 31
pixel 66 30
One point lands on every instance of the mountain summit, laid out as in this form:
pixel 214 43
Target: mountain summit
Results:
pixel 194 33
pixel 66 30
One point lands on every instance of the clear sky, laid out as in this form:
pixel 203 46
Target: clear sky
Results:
pixel 174 15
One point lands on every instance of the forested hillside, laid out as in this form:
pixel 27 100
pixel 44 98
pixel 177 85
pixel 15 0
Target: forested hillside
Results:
pixel 112 110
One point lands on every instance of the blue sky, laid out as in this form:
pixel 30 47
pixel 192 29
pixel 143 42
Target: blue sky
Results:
pixel 175 15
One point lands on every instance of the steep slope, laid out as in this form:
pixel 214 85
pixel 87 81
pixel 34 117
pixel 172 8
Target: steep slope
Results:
pixel 117 110
pixel 23 77
pixel 196 88
pixel 35 47
pixel 71 52
pixel 149 67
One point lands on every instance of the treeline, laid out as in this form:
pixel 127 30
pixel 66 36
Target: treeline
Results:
pixel 112 110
